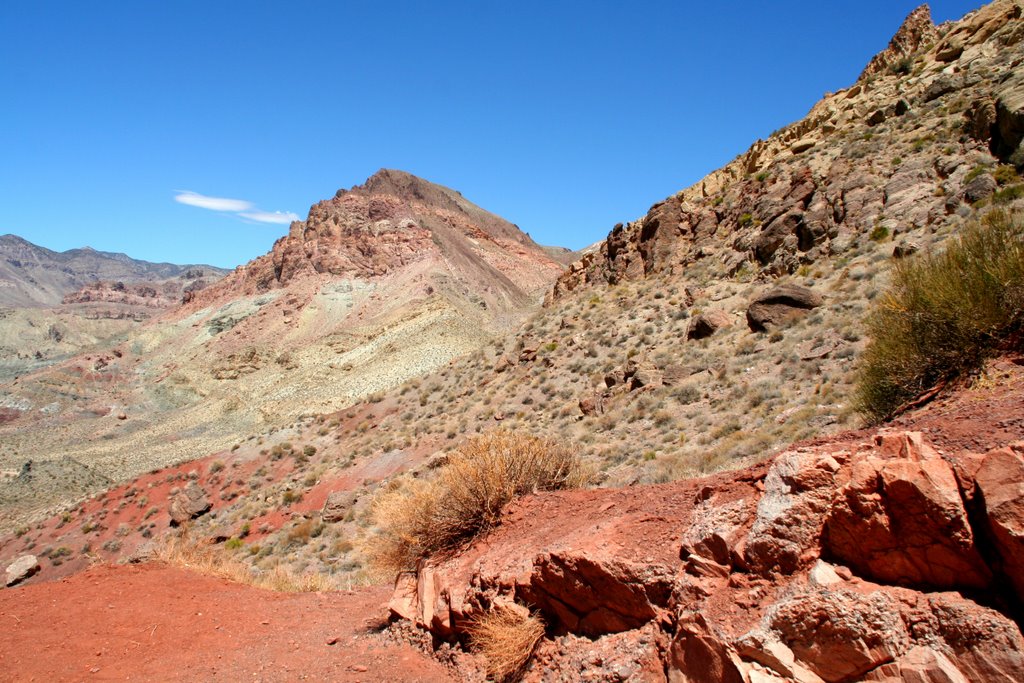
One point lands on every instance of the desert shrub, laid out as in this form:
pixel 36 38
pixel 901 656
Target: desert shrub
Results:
pixel 467 495
pixel 903 66
pixel 182 551
pixel 506 638
pixel 943 314
pixel 880 233
pixel 1008 194
pixel 1006 174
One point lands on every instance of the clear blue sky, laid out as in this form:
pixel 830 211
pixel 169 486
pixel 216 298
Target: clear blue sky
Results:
pixel 564 117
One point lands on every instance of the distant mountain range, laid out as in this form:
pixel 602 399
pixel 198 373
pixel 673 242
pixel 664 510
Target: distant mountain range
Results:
pixel 31 275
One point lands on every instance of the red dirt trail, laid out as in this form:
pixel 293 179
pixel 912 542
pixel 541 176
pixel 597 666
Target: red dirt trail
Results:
pixel 158 623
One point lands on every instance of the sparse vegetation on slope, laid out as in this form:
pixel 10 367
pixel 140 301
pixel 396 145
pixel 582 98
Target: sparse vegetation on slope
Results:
pixel 182 551
pixel 419 518
pixel 944 313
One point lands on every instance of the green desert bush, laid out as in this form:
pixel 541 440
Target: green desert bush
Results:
pixel 943 314
pixel 465 498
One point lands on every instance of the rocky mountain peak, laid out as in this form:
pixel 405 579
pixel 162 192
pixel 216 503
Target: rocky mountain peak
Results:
pixel 916 31
pixel 407 186
pixel 391 222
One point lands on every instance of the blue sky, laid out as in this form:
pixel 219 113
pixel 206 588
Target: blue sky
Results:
pixel 563 117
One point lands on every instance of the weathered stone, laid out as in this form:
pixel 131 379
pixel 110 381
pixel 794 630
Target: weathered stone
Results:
pixel 904 249
pixel 916 31
pixel 840 635
pixel 1000 486
pixel 781 305
pixel 949 50
pixel 646 374
pixel 802 145
pixel 980 188
pixel 775 234
pixel 188 504
pixel 592 405
pixel 1008 130
pixel 21 569
pixel 923 664
pixel 337 505
pixel 942 85
pixel 615 377
pixel 786 532
pixel 716 531
pixel 979 119
pixel 701 655
pixel 902 521
pixel 707 323
pixel 594 595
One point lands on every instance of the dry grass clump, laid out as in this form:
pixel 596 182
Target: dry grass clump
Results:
pixel 506 638
pixel 944 314
pixel 467 495
pixel 181 551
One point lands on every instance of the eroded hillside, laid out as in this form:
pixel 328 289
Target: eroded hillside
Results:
pixel 706 336
pixel 386 281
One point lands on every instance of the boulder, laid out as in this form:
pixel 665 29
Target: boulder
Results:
pixel 904 249
pixel 645 374
pixel 942 85
pixel 981 643
pixel 707 323
pixel 949 50
pixel 902 521
pixel 776 235
pixel 786 532
pixel 781 305
pixel 615 377
pixel 716 531
pixel 188 504
pixel 840 635
pixel 980 188
pixel 337 505
pixel 1000 484
pixel 701 654
pixel 803 145
pixel 592 405
pixel 21 569
pixel 593 595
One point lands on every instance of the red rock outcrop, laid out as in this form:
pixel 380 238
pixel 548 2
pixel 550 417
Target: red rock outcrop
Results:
pixel 821 566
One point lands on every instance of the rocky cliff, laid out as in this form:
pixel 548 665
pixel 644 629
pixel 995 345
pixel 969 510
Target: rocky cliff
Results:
pixel 938 103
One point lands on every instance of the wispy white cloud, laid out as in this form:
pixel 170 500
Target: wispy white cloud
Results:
pixel 212 203
pixel 270 216
pixel 240 207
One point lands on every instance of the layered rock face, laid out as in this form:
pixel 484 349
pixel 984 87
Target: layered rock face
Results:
pixel 392 221
pixel 865 559
pixel 942 101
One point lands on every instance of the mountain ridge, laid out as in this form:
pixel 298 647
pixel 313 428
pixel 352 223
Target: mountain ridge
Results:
pixel 33 275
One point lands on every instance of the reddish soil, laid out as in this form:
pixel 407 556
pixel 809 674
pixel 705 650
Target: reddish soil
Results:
pixel 157 623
